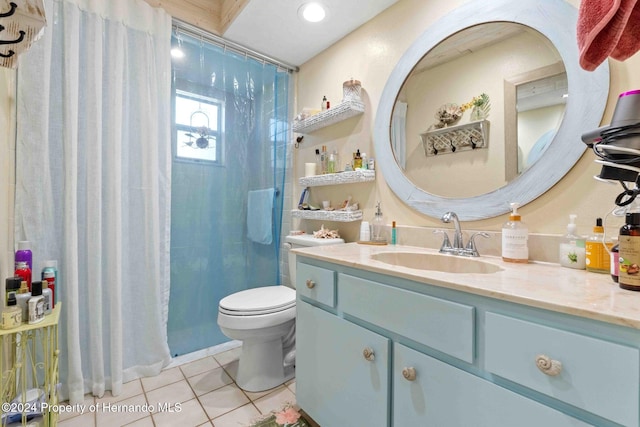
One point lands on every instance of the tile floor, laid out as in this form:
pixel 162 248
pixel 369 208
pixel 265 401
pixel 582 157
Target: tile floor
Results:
pixel 205 390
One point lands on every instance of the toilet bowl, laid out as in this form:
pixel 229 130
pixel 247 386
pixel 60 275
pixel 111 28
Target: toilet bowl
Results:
pixel 263 319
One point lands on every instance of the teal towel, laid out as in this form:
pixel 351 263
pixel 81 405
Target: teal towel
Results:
pixel 260 216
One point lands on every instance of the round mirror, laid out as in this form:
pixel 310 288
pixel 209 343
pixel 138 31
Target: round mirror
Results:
pixel 487 108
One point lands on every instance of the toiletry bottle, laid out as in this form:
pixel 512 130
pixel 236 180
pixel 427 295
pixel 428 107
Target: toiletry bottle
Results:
pixel 615 263
pixel 325 104
pixel 377 226
pixel 572 252
pixel 23 271
pixel 11 314
pixel 357 160
pixel 318 161
pixel 365 161
pixel 371 164
pixel 23 254
pixel 629 247
pixel 393 233
pixel 324 159
pixel 515 237
pixel 22 300
pixel 50 274
pixel 36 303
pixel 48 297
pixel 331 164
pixel 597 259
pixel 11 286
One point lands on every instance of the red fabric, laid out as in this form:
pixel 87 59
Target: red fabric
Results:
pixel 601 25
pixel 629 42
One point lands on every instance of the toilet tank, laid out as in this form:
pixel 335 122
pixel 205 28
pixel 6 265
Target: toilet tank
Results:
pixel 303 241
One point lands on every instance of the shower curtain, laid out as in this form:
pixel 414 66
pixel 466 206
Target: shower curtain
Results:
pixel 93 191
pixel 211 255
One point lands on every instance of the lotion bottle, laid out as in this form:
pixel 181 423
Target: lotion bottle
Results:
pixel 377 226
pixel 11 314
pixel 572 247
pixel 36 303
pixel 515 237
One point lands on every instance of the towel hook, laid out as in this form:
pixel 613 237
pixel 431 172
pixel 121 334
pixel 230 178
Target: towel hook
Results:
pixel 11 12
pixel 8 54
pixel 18 40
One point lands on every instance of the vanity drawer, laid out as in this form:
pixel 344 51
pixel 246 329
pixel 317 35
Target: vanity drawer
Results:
pixel 443 325
pixel 316 283
pixel 598 376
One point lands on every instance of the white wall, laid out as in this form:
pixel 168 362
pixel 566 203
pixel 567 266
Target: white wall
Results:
pixel 369 54
pixel 7 170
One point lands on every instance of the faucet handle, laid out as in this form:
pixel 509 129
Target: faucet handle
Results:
pixel 446 244
pixel 471 246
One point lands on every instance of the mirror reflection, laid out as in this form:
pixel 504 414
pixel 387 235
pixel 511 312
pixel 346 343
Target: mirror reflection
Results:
pixel 524 80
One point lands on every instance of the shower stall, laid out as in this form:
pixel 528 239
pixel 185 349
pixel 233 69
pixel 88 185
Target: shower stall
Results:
pixel 230 137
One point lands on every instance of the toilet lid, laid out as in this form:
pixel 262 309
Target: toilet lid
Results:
pixel 264 300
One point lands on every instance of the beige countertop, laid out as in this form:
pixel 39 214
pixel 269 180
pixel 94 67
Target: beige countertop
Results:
pixel 543 285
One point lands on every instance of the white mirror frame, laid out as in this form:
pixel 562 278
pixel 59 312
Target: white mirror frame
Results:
pixel 588 92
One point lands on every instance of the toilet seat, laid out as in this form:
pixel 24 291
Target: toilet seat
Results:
pixel 258 301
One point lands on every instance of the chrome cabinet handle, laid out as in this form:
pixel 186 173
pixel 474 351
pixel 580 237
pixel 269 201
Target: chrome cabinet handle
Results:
pixel 311 284
pixel 548 366
pixel 369 354
pixel 409 373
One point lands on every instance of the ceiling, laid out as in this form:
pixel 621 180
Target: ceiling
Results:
pixel 272 27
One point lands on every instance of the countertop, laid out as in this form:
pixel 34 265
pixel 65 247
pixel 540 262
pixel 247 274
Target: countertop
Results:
pixel 542 285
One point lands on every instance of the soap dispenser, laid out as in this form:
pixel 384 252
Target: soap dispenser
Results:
pixel 377 226
pixel 572 250
pixel 515 237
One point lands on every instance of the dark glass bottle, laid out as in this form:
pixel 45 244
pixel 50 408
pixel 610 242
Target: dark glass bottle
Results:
pixel 629 247
pixel 615 263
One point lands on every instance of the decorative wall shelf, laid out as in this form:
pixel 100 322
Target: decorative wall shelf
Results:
pixel 333 115
pixel 21 22
pixel 457 138
pixel 338 216
pixel 349 177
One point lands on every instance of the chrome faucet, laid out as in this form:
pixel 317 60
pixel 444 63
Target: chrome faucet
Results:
pixel 457 234
pixel 458 247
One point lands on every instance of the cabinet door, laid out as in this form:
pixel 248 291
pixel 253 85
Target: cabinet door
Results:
pixel 442 395
pixel 335 383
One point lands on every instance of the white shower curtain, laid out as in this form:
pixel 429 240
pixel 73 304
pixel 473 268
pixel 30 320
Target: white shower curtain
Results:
pixel 93 184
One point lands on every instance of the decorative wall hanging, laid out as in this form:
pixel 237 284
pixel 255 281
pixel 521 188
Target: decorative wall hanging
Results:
pixel 21 24
pixel 454 139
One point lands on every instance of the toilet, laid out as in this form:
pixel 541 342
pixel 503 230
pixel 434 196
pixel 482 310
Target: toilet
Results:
pixel 264 320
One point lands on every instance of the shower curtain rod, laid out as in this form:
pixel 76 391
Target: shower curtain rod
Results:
pixel 193 31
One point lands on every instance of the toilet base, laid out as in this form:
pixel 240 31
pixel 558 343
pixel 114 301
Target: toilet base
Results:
pixel 261 365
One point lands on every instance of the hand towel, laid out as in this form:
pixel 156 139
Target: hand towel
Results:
pixel 260 216
pixel 601 24
pixel 629 42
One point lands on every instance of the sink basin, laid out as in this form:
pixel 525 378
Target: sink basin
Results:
pixel 436 262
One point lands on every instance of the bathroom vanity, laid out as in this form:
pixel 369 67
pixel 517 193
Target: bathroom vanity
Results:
pixel 382 340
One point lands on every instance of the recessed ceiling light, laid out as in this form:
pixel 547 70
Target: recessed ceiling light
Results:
pixel 312 12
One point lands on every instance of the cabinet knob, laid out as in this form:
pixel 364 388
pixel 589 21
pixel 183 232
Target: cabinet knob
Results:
pixel 368 354
pixel 311 284
pixel 548 366
pixel 409 373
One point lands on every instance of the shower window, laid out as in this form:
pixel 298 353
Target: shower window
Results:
pixel 198 122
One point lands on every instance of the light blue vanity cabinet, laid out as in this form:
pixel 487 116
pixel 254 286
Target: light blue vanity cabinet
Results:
pixel 388 351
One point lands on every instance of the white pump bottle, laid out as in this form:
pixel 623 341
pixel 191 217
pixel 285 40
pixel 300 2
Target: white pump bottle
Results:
pixel 515 238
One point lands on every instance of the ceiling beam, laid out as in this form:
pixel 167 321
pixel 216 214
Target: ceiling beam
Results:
pixel 230 11
pixel 204 14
